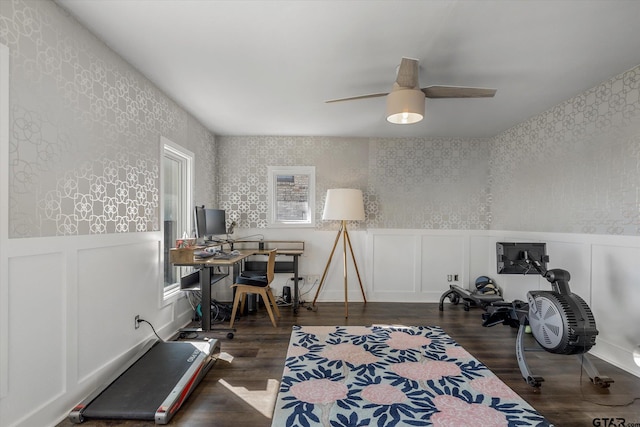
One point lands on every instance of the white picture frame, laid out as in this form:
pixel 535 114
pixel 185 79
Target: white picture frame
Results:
pixel 291 196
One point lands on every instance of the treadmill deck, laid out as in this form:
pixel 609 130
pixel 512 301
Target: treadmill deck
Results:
pixel 154 386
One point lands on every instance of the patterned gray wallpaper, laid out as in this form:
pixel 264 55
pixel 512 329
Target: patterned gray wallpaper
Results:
pixel 85 149
pixel 574 168
pixel 85 131
pixel 429 183
pixel 242 170
pixel 407 183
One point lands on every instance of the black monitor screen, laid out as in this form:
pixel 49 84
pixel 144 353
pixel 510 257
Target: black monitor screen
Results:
pixel 517 258
pixel 209 222
pixel 198 216
pixel 216 221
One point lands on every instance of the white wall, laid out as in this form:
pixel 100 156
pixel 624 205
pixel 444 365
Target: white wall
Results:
pixel 415 265
pixel 69 324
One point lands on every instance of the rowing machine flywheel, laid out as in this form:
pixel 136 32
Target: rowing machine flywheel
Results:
pixel 561 323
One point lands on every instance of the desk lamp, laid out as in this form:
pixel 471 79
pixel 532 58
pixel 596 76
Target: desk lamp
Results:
pixel 343 204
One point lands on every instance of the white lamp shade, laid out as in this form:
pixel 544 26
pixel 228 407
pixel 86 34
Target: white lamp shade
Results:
pixel 405 106
pixel 344 204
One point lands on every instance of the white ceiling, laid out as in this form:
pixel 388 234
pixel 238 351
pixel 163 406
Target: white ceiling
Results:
pixel 266 67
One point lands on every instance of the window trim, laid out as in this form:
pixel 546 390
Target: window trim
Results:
pixel 4 221
pixel 273 172
pixel 177 152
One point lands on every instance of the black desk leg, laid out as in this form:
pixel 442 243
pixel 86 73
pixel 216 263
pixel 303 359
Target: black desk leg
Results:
pixel 295 284
pixel 205 301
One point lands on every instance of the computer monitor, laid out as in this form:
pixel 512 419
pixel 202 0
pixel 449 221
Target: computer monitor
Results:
pixel 518 258
pixel 209 222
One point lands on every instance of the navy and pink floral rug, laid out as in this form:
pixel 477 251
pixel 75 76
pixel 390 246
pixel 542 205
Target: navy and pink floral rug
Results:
pixel 391 376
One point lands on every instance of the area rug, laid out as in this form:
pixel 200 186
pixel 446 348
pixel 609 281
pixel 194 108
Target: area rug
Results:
pixel 391 376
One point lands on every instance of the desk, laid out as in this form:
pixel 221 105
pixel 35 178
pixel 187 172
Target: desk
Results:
pixel 290 248
pixel 186 257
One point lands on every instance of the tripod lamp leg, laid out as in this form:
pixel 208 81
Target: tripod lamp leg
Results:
pixel 355 264
pixel 324 274
pixel 344 268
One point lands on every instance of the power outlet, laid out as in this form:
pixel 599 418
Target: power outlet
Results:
pixel 137 321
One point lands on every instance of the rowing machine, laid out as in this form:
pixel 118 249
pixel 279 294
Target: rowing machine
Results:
pixel 560 321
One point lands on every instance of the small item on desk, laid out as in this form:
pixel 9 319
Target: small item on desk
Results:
pixel 185 242
pixel 225 255
pixel 206 252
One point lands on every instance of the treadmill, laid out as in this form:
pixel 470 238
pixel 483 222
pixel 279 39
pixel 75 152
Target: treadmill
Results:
pixel 153 385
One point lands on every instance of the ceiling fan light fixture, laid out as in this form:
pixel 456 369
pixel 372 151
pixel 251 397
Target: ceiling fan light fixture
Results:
pixel 405 106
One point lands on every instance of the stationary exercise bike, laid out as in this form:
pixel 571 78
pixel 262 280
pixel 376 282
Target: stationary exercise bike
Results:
pixel 560 321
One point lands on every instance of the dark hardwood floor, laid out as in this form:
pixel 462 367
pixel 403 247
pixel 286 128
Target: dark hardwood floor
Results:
pixel 241 388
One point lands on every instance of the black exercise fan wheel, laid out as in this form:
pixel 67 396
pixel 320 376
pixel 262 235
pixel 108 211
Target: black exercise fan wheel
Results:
pixel 561 323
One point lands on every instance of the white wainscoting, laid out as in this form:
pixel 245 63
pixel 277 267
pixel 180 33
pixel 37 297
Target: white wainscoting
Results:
pixel 68 302
pixel 4 208
pixel 37 298
pixel 412 265
pixel 70 322
pixel 615 301
pixel 415 265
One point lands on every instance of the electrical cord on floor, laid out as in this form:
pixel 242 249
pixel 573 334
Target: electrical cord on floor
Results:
pixel 281 302
pixel 220 312
pixel 303 294
pixel 608 405
pixel 194 298
pixel 152 328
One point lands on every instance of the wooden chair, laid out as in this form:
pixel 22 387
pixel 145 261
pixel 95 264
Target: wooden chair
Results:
pixel 256 284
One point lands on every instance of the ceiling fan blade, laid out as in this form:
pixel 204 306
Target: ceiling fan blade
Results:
pixel 408 73
pixel 351 98
pixel 457 92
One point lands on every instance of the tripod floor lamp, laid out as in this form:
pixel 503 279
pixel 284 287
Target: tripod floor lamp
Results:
pixel 343 204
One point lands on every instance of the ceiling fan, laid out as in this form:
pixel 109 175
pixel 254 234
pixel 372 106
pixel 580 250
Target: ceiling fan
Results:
pixel 405 102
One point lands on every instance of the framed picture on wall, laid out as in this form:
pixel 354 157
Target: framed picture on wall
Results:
pixel 291 196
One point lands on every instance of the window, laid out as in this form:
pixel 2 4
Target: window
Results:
pixel 291 196
pixel 177 185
